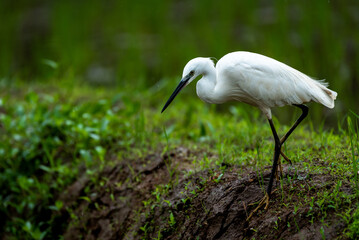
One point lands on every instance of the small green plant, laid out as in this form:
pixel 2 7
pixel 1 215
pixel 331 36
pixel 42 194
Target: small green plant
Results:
pixel 159 235
pixel 322 232
pixel 33 231
pixel 276 224
pixel 172 220
pixel 295 209
pixel 354 144
pixel 218 178
pixel 144 229
pixel 353 228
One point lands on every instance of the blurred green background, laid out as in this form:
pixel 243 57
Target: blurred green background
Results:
pixel 138 44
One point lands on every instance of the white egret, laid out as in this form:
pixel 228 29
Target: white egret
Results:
pixel 259 81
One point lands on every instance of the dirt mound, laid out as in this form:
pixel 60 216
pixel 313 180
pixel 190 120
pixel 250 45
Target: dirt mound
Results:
pixel 154 198
pixel 108 211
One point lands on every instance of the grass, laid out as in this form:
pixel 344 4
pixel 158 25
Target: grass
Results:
pixel 50 136
pixel 354 143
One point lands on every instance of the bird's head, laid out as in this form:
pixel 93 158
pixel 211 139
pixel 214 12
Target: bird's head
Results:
pixel 194 68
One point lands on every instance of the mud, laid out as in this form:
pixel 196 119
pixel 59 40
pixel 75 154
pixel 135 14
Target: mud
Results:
pixel 205 205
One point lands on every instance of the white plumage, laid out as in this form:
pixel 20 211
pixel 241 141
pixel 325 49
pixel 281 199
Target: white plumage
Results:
pixel 256 80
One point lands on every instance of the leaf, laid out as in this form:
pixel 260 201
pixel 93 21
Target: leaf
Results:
pixel 95 136
pixel 101 152
pixel 59 204
pixel 85 198
pixel 52 64
pixel 27 226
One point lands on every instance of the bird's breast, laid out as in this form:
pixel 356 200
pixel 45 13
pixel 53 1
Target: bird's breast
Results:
pixel 206 91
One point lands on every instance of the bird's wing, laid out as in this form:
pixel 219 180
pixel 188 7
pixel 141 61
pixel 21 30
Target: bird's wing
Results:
pixel 270 83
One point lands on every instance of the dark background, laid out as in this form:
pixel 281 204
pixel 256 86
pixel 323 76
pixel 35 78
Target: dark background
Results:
pixel 138 43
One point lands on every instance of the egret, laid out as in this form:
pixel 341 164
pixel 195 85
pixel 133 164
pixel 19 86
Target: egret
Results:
pixel 259 81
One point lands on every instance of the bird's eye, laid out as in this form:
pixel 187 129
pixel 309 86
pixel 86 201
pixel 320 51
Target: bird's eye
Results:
pixel 191 73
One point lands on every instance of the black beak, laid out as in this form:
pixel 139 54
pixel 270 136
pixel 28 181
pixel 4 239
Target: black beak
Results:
pixel 176 91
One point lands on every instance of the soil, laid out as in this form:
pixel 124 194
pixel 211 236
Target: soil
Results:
pixel 204 205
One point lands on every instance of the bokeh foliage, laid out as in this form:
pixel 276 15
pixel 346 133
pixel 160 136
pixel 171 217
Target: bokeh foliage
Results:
pixel 140 42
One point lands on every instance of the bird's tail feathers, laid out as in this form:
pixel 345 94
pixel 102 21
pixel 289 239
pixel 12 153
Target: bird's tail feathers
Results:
pixel 326 96
pixel 322 82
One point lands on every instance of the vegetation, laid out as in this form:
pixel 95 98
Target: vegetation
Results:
pixel 52 136
pixel 122 42
pixel 82 86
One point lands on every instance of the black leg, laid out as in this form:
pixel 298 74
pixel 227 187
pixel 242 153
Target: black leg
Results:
pixel 278 143
pixel 277 153
pixel 305 110
pixel 277 146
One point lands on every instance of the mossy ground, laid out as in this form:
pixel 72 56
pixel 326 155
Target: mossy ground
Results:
pixel 105 163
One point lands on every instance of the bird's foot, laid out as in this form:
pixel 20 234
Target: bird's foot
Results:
pixel 265 200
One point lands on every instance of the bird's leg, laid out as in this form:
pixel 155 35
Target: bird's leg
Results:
pixel 277 153
pixel 280 163
pixel 285 157
pixel 284 138
pixel 276 156
pixel 305 110
pixel 279 143
pixel 277 147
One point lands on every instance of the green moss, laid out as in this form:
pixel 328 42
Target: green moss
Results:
pixel 353 228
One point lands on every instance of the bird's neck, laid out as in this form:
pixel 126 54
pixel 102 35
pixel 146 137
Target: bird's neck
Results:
pixel 207 84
